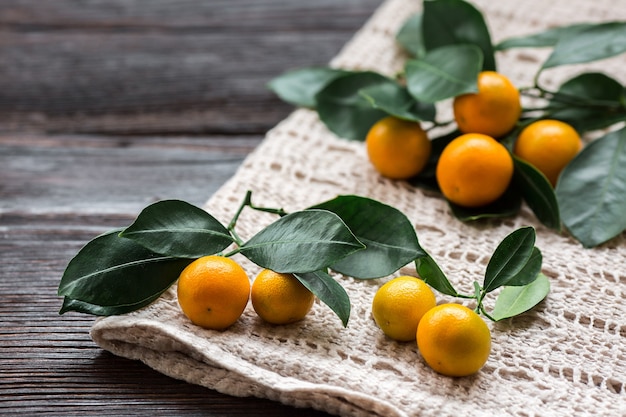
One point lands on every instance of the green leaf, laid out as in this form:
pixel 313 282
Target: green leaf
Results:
pixel 70 304
pixel 444 73
pixel 178 229
pixel 410 36
pixel 596 42
pixel 549 37
pixel 427 178
pixel 300 242
pixel 395 100
pixel 456 22
pixel 329 291
pixel 538 193
pixel 299 87
pixel 429 271
pixel 389 237
pixel 509 258
pixel 517 300
pixel 115 274
pixel 589 101
pixel 506 206
pixel 591 190
pixel 529 272
pixel 344 110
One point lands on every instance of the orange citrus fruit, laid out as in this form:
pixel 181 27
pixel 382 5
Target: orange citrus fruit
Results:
pixel 399 305
pixel 213 291
pixel 398 149
pixel 453 340
pixel 474 170
pixel 493 110
pixel 280 298
pixel 548 145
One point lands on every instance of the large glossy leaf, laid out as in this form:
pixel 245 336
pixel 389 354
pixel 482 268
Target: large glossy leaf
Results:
pixel 591 190
pixel 329 291
pixel 427 178
pixel 179 229
pixel 429 271
pixel 300 86
pixel 589 101
pixel 516 300
pixel 509 258
pixel 395 100
pixel 444 73
pixel 303 241
pixel 506 206
pixel 389 237
pixel 596 42
pixel 529 272
pixel 115 273
pixel 456 22
pixel 70 304
pixel 547 37
pixel 410 36
pixel 344 110
pixel 538 193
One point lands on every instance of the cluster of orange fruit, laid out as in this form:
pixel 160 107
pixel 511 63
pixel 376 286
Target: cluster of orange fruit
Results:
pixel 475 169
pixel 213 292
pixel 452 339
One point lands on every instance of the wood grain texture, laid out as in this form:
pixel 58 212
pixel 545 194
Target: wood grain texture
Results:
pixel 106 107
pixel 141 66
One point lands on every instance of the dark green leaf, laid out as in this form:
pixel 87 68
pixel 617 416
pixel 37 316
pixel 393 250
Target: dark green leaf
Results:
pixel 596 42
pixel 96 310
pixel 595 88
pixel 546 38
pixel 591 190
pixel 538 193
pixel 427 178
pixel 589 101
pixel 585 119
pixel 444 73
pixel 395 100
pixel 344 110
pixel 429 271
pixel 178 229
pixel 509 258
pixel 299 242
pixel 329 291
pixel 113 273
pixel 388 235
pixel 410 36
pixel 507 205
pixel 517 300
pixel 456 22
pixel 299 87
pixel 529 272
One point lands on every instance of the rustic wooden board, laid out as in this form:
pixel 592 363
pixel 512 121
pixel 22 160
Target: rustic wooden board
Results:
pixel 141 66
pixel 105 107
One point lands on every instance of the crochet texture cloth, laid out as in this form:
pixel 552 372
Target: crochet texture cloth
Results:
pixel 566 357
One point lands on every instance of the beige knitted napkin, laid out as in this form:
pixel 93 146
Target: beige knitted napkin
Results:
pixel 565 358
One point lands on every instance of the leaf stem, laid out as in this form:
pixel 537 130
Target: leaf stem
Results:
pixel 439 124
pixel 247 202
pixel 231 226
pixel 484 313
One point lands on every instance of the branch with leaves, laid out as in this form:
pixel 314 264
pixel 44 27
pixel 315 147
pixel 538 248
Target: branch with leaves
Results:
pixel 124 270
pixel 448 45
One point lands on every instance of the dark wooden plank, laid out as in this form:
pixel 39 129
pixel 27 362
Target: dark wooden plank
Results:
pixel 109 175
pixel 189 73
pixel 141 66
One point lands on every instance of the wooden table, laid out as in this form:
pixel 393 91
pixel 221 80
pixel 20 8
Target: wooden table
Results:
pixel 105 107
